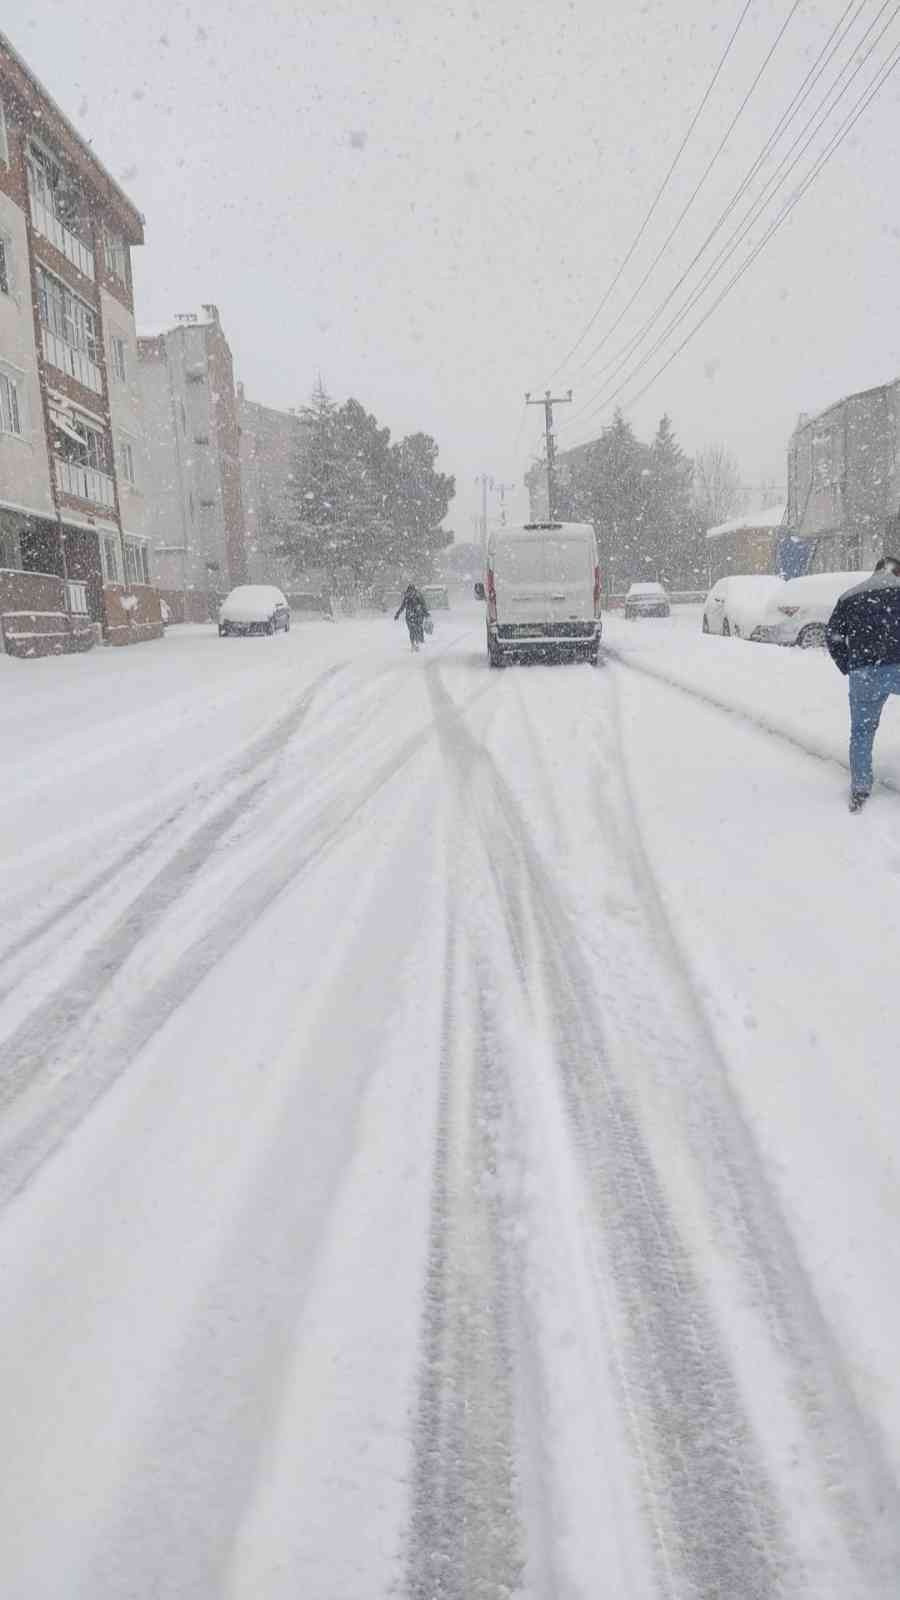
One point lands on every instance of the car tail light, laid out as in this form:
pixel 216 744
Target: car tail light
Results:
pixel 491 596
pixel 789 611
pixel 596 591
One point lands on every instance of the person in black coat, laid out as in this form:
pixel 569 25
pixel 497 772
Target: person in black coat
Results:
pixel 413 603
pixel 863 640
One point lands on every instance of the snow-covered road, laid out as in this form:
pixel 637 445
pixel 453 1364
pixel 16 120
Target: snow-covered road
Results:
pixel 448 1124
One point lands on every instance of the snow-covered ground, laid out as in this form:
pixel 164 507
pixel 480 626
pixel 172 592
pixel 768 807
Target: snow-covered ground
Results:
pixel 448 1123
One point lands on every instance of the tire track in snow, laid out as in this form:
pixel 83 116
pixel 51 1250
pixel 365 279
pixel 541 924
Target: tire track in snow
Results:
pixel 72 1044
pixel 466 1542
pixel 763 724
pixel 715 1516
pixel 843 1449
pixel 845 1443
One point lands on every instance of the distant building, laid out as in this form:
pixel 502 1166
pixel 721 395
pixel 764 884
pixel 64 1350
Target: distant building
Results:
pixel 746 544
pixel 844 480
pixel 195 505
pixel 73 468
pixel 271 443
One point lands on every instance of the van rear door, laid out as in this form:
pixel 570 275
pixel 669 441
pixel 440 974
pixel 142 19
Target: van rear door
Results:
pixel 569 571
pixel 520 579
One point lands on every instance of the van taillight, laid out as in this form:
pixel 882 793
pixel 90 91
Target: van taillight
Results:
pixel 596 591
pixel 491 596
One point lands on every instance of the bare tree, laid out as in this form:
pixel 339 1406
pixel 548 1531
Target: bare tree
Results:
pixel 717 485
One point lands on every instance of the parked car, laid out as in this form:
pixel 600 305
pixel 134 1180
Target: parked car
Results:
pixel 736 605
pixel 542 587
pixel 436 596
pixel 799 612
pixel 647 600
pixel 254 608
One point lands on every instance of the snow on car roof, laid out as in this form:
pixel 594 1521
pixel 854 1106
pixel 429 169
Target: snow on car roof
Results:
pixel 646 588
pixel 256 591
pixel 825 584
pixel 773 518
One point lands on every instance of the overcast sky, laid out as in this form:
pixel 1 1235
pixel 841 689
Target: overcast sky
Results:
pixel 426 203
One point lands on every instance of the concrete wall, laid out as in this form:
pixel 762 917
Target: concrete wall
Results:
pixel 271 443
pixel 126 414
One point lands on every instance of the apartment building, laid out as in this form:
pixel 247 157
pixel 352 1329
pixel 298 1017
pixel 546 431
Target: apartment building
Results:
pixel 271 446
pixel 195 511
pixel 844 480
pixel 73 466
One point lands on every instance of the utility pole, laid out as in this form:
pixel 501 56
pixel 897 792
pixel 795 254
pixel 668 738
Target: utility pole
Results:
pixel 548 402
pixel 501 489
pixel 486 482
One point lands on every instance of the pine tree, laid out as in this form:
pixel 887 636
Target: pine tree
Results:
pixel 666 521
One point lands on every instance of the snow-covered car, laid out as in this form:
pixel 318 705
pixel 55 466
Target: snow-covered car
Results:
pixel 647 600
pixel 254 608
pixel 436 597
pixel 736 605
pixel 799 612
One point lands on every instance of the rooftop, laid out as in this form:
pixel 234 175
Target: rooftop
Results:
pixel 772 518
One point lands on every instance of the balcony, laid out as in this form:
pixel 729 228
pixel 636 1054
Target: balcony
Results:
pixel 77 363
pixel 85 483
pixel 66 242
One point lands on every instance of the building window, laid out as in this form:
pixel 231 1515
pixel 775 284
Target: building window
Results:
pixel 5 265
pixel 137 564
pixel 109 558
pixel 70 341
pixel 118 359
pixel 10 414
pixel 126 458
pixel 114 255
pixel 4 138
pixel 58 210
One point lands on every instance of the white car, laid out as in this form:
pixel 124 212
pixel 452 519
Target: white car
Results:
pixel 735 606
pixel 542 587
pixel 799 612
pixel 647 600
pixel 254 608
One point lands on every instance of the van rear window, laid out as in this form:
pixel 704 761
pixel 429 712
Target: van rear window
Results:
pixel 520 560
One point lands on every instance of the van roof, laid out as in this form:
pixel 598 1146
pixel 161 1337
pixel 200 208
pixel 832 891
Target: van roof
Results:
pixel 528 530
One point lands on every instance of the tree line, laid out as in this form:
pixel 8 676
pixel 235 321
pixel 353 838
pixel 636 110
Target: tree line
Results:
pixel 650 504
pixel 358 503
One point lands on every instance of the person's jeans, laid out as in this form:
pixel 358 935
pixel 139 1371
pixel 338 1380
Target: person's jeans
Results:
pixel 869 689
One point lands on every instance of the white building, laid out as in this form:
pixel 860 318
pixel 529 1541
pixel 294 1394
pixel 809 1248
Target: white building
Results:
pixel 194 513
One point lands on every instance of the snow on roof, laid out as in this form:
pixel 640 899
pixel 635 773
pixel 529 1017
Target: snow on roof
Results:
pixel 772 518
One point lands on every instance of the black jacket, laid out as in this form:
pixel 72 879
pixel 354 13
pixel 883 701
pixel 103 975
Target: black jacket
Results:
pixel 413 603
pixel 864 627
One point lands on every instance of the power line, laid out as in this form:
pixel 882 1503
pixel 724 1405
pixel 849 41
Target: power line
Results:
pixel 813 76
pixel 850 121
pixel 708 169
pixel 729 249
pixel 659 193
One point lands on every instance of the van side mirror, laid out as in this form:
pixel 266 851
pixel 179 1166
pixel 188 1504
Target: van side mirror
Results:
pixel 479 591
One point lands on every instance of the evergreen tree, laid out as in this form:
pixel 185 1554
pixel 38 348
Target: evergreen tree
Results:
pixel 357 504
pixel 666 520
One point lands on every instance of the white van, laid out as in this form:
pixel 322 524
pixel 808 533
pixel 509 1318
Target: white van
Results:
pixel 542 588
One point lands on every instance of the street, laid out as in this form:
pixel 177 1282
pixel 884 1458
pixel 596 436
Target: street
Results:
pixel 448 1123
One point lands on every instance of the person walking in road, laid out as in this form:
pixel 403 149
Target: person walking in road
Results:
pixel 863 640
pixel 413 603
